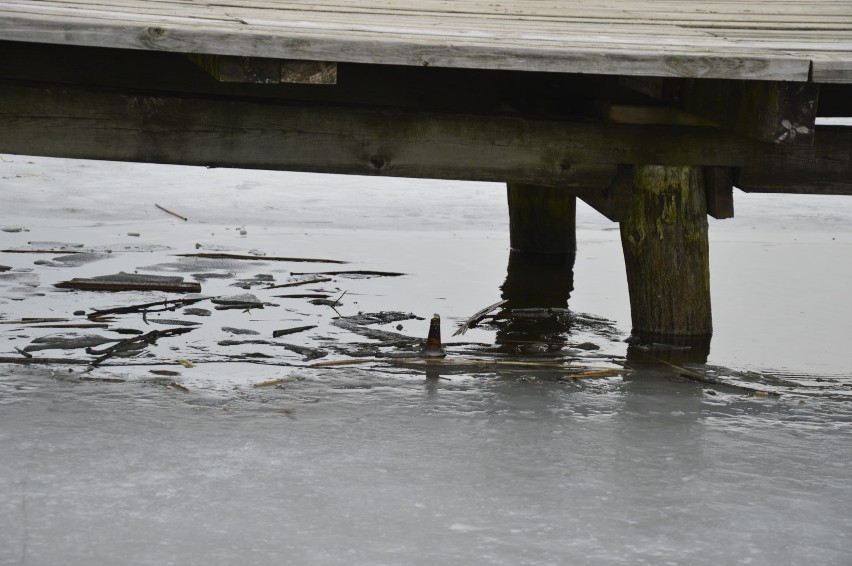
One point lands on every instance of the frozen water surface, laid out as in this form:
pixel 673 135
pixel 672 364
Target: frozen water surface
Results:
pixel 392 461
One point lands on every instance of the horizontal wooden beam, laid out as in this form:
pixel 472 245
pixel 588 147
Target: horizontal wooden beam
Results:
pixel 261 70
pixel 274 134
pixel 831 179
pixel 771 111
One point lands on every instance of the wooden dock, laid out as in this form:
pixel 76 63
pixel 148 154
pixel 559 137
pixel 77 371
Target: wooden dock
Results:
pixel 768 39
pixel 622 103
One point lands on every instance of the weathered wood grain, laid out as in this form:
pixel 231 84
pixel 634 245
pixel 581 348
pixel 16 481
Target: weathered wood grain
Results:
pixel 542 220
pixel 666 253
pixel 766 40
pixel 274 134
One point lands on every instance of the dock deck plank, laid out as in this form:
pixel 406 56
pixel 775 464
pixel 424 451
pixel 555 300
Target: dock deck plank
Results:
pixel 749 39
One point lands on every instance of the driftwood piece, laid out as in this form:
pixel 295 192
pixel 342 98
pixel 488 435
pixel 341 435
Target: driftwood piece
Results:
pixel 294 330
pixel 175 214
pixel 302 282
pixel 78 325
pixel 167 305
pixel 477 317
pixel 308 353
pixel 44 361
pixel 218 255
pixel 243 302
pixel 174 322
pixel 131 282
pixel 68 343
pixel 34 320
pixel 357 274
pixel 165 372
pixel 132 343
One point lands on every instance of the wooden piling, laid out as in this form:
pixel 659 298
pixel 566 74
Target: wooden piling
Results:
pixel 666 253
pixel 542 220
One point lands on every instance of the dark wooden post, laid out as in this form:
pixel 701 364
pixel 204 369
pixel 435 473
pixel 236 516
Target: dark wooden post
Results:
pixel 541 219
pixel 666 253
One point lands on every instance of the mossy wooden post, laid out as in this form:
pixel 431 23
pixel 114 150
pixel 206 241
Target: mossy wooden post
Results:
pixel 666 253
pixel 541 219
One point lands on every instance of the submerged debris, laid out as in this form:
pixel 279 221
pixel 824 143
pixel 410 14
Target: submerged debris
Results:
pixel 295 330
pixel 157 306
pixel 131 282
pixel 134 344
pixel 256 281
pixel 240 331
pixel 273 382
pixel 477 317
pixel 165 372
pixel 64 342
pixel 197 312
pixel 46 248
pixel 308 353
pixel 26 320
pixel 308 281
pixel 244 301
pixel 358 324
pixel 211 255
pixel 174 322
pixel 360 274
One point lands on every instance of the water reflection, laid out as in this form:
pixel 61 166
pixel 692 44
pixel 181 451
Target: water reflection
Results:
pixel 677 350
pixel 535 317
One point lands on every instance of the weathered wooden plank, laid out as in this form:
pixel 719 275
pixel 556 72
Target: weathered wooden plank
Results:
pixel 831 179
pixel 764 10
pixel 448 40
pixel 832 68
pixel 336 139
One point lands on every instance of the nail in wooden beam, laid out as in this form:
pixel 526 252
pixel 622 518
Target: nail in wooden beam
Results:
pixel 259 70
pixel 719 192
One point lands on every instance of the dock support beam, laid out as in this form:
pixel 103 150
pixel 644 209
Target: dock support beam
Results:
pixel 541 219
pixel 666 254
